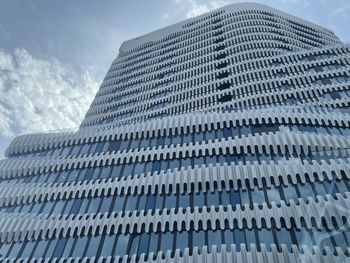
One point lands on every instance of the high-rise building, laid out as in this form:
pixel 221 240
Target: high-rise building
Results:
pixel 222 138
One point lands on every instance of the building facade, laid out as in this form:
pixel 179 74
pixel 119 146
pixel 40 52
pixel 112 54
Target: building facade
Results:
pixel 222 138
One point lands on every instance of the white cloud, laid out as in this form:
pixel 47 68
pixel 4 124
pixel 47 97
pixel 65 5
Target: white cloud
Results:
pixel 41 95
pixel 193 8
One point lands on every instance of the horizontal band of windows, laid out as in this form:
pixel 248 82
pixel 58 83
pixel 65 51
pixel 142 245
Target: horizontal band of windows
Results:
pixel 241 197
pixel 147 243
pixel 181 182
pixel 232 132
pixel 143 167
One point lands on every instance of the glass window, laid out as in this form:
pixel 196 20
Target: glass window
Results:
pixel 114 145
pixel 177 140
pixel 4 249
pixel 170 201
pixel 118 203
pixel 131 203
pixel 144 242
pixel 184 200
pixel 150 203
pixel 117 170
pixel 139 168
pixel 68 248
pixel 319 187
pixel 227 133
pixel 135 143
pixel 58 207
pixel 235 198
pixel 273 195
pixel 214 238
pixel 187 138
pixel 128 169
pixel 166 242
pixel 48 207
pixel 257 195
pixel 93 246
pixel 182 240
pixel 62 177
pixel 76 206
pixel 153 244
pixel 59 247
pixel 68 207
pixel 212 198
pixel 134 244
pixel 199 136
pixel 228 235
pixel 106 172
pixel 144 143
pixel 250 237
pixel 100 147
pixel 15 249
pixel 198 239
pixel 305 190
pixel 244 196
pixel 239 238
pixel 96 173
pixel 266 237
pixel 290 193
pixel 156 166
pixel 108 244
pixel 121 246
pixel 159 201
pixel 84 206
pixel 51 248
pixel 88 174
pixel 198 199
pixel 245 130
pixel 106 204
pixel 94 205
pixel 283 237
pixel 225 198
pixel 174 164
pixel 28 249
pixel 80 246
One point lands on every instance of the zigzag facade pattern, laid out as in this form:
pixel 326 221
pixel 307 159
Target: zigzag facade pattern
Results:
pixel 222 138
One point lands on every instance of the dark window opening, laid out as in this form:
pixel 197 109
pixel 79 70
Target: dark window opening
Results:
pixel 224 86
pixel 225 98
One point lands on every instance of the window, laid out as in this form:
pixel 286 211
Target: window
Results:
pixel 106 204
pixel 28 249
pixel 59 247
pixel 131 203
pixel 214 238
pixel 93 246
pixel 239 238
pixel 15 249
pixel 68 248
pixel 212 198
pixel 80 246
pixel 198 239
pixel 182 240
pixel 107 248
pixel 150 203
pixel 94 205
pixel 121 246
pixel 283 237
pixel 153 244
pixel 144 243
pixel 51 248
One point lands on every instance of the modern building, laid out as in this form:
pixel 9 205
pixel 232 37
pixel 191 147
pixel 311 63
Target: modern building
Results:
pixel 222 138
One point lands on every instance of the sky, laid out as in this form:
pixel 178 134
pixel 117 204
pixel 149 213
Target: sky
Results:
pixel 54 54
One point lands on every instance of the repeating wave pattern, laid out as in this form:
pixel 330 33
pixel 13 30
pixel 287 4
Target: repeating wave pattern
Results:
pixel 222 138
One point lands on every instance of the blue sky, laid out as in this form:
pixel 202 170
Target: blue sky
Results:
pixel 54 54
